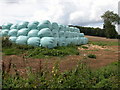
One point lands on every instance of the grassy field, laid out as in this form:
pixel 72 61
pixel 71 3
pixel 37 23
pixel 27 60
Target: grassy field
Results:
pixel 94 65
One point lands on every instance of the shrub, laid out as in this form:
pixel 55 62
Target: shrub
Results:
pixel 6 42
pixel 92 56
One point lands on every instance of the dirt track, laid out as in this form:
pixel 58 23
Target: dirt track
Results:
pixel 105 55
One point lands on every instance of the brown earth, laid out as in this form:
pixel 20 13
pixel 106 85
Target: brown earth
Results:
pixel 105 55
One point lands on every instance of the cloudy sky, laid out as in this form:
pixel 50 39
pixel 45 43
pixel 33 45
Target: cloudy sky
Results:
pixel 76 12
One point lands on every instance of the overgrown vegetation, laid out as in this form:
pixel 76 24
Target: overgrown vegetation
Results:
pixel 9 48
pixel 80 77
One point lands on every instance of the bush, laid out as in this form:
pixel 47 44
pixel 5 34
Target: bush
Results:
pixel 6 42
pixel 92 56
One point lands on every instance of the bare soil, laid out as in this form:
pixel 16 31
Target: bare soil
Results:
pixel 104 56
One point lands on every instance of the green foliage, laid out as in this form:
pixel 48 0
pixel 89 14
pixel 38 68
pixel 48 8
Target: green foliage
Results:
pixel 40 52
pixel 92 56
pixel 80 77
pixel 110 31
pixel 103 43
pixel 6 42
pixel 84 47
pixel 109 17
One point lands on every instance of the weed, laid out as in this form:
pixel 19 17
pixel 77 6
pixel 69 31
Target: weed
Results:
pixel 92 56
pixel 85 47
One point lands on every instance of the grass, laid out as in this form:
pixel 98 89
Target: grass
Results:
pixel 80 77
pixel 104 43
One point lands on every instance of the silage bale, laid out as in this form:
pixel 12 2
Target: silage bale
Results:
pixel 33 33
pixel 61 34
pixel 55 33
pixel 67 34
pixel 55 25
pixel 81 34
pixel 5 32
pixel 22 32
pixel 85 40
pixel 61 27
pixel 44 24
pixel 22 25
pixel 13 39
pixel 32 26
pixel 62 41
pixel 45 32
pixel 34 41
pixel 14 26
pixel 13 32
pixel 48 42
pixel 35 22
pixel 6 25
pixel 22 40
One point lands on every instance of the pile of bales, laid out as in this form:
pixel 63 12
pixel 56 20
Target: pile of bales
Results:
pixel 46 34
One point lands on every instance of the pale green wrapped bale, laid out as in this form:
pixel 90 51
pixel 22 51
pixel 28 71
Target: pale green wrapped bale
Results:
pixel 33 33
pixel 32 26
pixel 55 33
pixel 13 32
pixel 67 34
pixel 55 25
pixel 22 25
pixel 61 34
pixel 62 41
pixel 14 26
pixel 22 40
pixel 6 25
pixel 34 41
pixel 35 22
pixel 13 39
pixel 85 41
pixel 5 32
pixel 44 24
pixel 45 32
pixel 81 35
pixel 23 32
pixel 61 28
pixel 48 42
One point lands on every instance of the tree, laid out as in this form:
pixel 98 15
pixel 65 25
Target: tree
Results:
pixel 110 19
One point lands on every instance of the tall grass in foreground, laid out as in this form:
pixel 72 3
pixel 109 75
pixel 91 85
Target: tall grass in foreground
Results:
pixel 80 77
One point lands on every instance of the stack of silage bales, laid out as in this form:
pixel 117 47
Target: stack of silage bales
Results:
pixel 45 34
